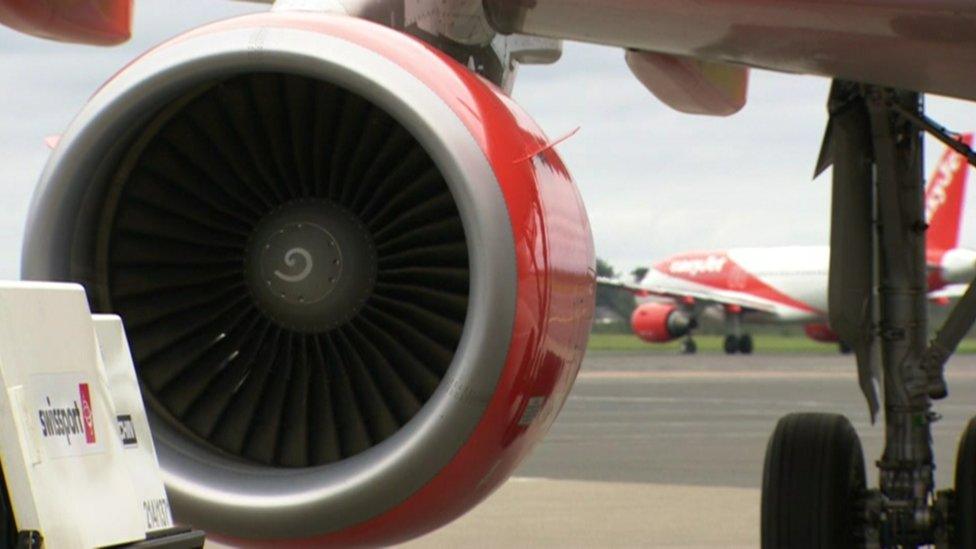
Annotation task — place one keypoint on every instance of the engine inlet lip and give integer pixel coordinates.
(217, 492)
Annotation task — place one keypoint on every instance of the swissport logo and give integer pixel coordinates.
(69, 421)
(937, 193)
(698, 265)
(65, 415)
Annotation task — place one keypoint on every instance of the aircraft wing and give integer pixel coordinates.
(692, 54)
(717, 297)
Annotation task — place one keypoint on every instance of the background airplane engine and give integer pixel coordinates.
(356, 279)
(660, 322)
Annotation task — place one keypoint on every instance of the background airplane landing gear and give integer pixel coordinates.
(731, 344)
(813, 478)
(965, 499)
(738, 344)
(735, 341)
(688, 346)
(745, 344)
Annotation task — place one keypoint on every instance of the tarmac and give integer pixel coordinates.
(667, 451)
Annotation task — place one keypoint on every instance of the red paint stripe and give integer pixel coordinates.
(87, 416)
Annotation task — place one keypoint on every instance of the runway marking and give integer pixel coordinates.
(650, 439)
(750, 402)
(683, 375)
(735, 375)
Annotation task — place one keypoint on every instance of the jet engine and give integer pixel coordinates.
(660, 322)
(356, 279)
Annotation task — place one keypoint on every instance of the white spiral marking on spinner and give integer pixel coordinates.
(291, 258)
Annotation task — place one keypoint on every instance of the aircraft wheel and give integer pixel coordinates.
(8, 527)
(745, 344)
(731, 344)
(689, 347)
(844, 348)
(965, 523)
(813, 475)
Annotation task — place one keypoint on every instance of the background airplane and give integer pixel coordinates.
(788, 284)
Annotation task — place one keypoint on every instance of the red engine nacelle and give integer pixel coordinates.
(103, 22)
(355, 295)
(821, 333)
(660, 322)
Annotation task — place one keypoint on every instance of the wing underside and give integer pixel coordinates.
(692, 55)
(923, 45)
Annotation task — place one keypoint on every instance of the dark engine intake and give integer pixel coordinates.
(229, 240)
(355, 290)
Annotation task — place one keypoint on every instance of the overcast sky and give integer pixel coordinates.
(655, 182)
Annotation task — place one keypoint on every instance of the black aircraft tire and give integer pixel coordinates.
(8, 528)
(965, 512)
(689, 347)
(745, 344)
(813, 475)
(731, 345)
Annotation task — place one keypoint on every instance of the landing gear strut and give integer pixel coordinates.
(688, 346)
(735, 340)
(877, 301)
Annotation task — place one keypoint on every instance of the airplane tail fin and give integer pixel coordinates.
(944, 197)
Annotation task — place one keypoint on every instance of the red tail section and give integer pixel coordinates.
(944, 196)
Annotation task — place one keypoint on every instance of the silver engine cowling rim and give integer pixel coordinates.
(242, 500)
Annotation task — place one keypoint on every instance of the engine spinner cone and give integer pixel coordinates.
(310, 265)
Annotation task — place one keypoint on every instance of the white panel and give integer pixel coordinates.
(69, 481)
(132, 424)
